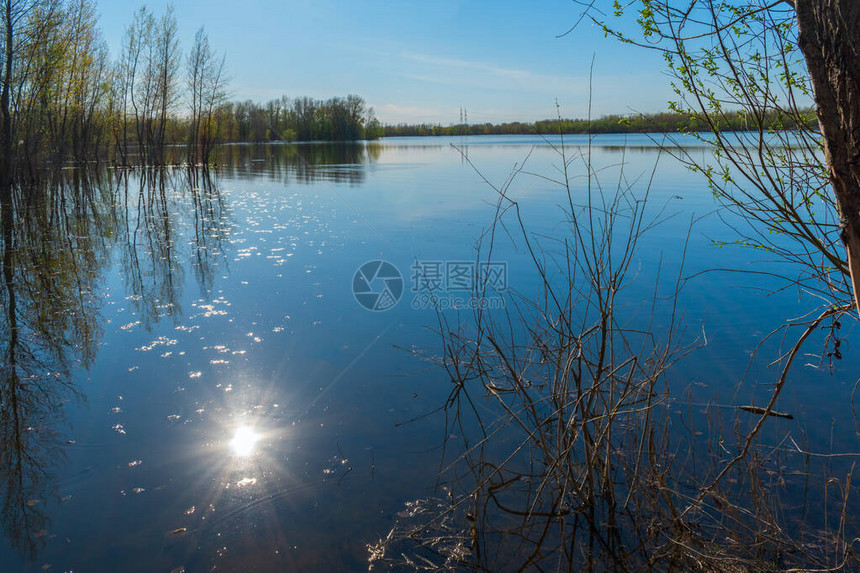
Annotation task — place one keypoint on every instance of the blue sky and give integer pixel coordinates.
(417, 61)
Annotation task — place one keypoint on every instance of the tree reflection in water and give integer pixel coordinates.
(61, 239)
(153, 223)
(57, 241)
(303, 164)
(53, 247)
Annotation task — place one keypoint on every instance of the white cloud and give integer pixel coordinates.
(393, 113)
(462, 72)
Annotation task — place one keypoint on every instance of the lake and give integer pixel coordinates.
(200, 370)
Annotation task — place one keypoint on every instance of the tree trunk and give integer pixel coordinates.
(5, 112)
(829, 37)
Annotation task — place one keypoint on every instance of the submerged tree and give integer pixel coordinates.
(59, 84)
(206, 79)
(147, 77)
(21, 21)
(52, 79)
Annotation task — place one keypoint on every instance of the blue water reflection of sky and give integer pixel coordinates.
(256, 421)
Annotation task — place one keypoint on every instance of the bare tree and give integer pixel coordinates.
(207, 81)
(215, 94)
(136, 40)
(147, 79)
(167, 66)
(195, 65)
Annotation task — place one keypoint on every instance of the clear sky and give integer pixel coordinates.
(419, 60)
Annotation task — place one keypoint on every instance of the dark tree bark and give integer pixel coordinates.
(5, 112)
(829, 37)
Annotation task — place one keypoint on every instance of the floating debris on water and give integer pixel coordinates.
(763, 411)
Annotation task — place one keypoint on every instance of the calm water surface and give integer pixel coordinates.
(189, 381)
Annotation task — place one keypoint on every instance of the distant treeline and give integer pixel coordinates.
(298, 119)
(666, 122)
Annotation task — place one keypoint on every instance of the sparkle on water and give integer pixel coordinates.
(244, 441)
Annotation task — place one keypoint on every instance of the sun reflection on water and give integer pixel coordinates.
(244, 441)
